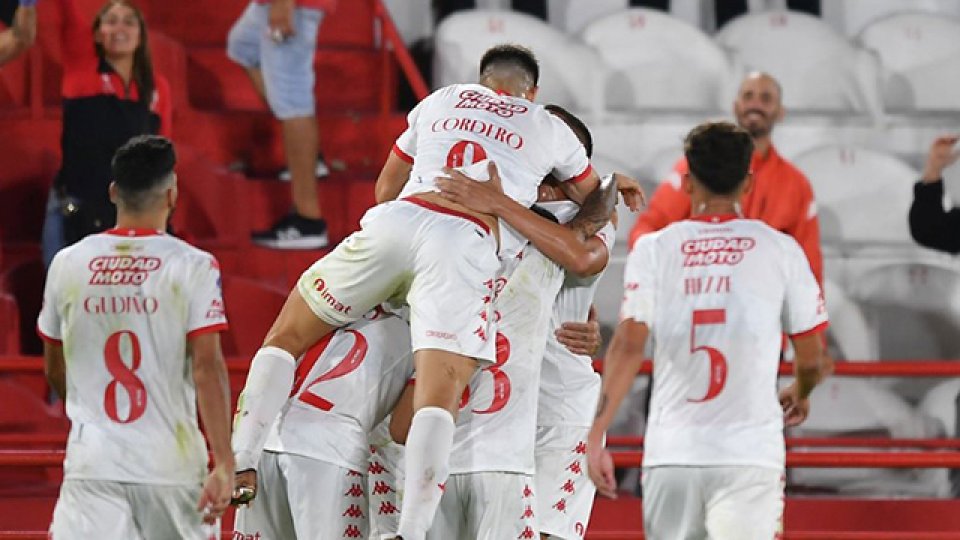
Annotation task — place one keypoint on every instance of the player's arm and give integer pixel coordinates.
(402, 415)
(567, 245)
(55, 368)
(668, 204)
(581, 338)
(213, 401)
(620, 367)
(393, 176)
(810, 367)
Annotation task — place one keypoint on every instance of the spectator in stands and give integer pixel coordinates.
(16, 39)
(110, 94)
(930, 224)
(275, 41)
(781, 195)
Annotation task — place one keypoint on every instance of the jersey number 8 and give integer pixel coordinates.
(124, 376)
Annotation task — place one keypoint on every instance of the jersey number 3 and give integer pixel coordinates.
(124, 376)
(718, 363)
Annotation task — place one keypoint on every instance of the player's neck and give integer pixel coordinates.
(761, 146)
(149, 220)
(713, 207)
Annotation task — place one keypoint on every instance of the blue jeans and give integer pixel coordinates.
(52, 238)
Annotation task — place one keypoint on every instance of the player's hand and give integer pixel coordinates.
(942, 155)
(246, 488)
(631, 191)
(581, 338)
(281, 20)
(795, 410)
(483, 197)
(600, 467)
(215, 496)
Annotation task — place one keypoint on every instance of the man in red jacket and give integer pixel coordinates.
(781, 196)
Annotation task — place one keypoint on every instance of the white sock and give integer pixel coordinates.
(427, 465)
(268, 386)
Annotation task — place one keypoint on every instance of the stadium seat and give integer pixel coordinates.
(848, 329)
(24, 281)
(251, 310)
(14, 83)
(660, 62)
(920, 55)
(863, 196)
(941, 403)
(571, 74)
(414, 18)
(572, 16)
(818, 69)
(852, 16)
(9, 324)
(208, 201)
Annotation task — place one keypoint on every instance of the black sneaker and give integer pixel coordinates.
(321, 170)
(293, 231)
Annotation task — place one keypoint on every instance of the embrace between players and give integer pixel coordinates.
(447, 308)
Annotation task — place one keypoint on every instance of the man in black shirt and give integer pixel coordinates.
(930, 224)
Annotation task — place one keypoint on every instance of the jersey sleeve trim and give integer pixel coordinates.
(401, 154)
(217, 327)
(582, 176)
(49, 339)
(815, 330)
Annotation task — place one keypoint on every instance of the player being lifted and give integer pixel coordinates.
(437, 256)
(716, 292)
(131, 321)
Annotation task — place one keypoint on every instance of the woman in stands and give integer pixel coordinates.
(110, 94)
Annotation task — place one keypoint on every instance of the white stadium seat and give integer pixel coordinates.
(659, 62)
(573, 15)
(852, 16)
(571, 74)
(863, 196)
(818, 69)
(414, 18)
(920, 57)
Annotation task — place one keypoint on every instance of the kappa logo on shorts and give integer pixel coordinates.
(568, 486)
(352, 531)
(321, 287)
(527, 512)
(376, 468)
(353, 511)
(356, 490)
(575, 468)
(581, 448)
(527, 533)
(387, 507)
(382, 488)
(561, 505)
(527, 492)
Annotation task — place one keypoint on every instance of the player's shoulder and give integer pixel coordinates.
(175, 249)
(776, 239)
(790, 172)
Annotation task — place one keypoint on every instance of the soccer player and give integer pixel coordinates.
(130, 322)
(715, 291)
(311, 478)
(437, 256)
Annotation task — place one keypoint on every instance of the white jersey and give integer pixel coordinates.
(496, 427)
(124, 304)
(717, 293)
(344, 386)
(569, 387)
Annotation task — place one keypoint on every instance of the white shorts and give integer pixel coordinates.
(564, 490)
(443, 264)
(721, 503)
(385, 485)
(486, 506)
(301, 497)
(105, 509)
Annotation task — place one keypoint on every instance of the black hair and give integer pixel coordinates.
(718, 154)
(577, 125)
(140, 165)
(511, 55)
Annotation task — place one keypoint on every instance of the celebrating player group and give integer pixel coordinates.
(431, 377)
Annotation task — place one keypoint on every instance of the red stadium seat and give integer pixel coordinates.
(9, 324)
(251, 309)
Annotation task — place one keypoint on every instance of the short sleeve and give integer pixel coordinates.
(571, 162)
(639, 282)
(608, 235)
(804, 311)
(406, 145)
(48, 322)
(207, 313)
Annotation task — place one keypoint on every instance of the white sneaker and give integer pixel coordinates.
(320, 171)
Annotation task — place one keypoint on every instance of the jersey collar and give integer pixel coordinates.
(714, 218)
(133, 231)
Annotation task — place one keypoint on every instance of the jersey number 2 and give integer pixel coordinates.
(124, 376)
(350, 362)
(718, 363)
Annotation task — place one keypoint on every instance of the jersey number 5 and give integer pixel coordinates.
(124, 376)
(718, 364)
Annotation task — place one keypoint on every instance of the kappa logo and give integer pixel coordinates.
(352, 531)
(581, 448)
(382, 488)
(527, 492)
(387, 507)
(356, 490)
(353, 511)
(376, 468)
(561, 505)
(568, 486)
(575, 468)
(527, 512)
(527, 533)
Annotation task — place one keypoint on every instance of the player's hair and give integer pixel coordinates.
(142, 166)
(718, 154)
(510, 56)
(577, 125)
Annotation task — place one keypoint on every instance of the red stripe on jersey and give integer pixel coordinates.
(401, 154)
(449, 211)
(582, 176)
(48, 339)
(714, 218)
(218, 327)
(815, 330)
(133, 231)
(307, 362)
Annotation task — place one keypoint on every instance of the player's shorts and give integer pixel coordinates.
(301, 497)
(105, 509)
(287, 67)
(564, 490)
(486, 506)
(385, 486)
(442, 263)
(721, 503)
